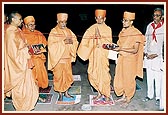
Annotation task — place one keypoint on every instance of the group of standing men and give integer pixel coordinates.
(25, 71)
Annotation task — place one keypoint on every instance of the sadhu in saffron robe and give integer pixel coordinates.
(91, 48)
(39, 70)
(60, 57)
(129, 65)
(18, 79)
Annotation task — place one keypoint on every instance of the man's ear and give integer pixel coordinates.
(13, 19)
(26, 25)
(104, 19)
(162, 17)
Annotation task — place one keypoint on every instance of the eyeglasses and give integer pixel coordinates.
(125, 20)
(31, 25)
(157, 15)
(65, 22)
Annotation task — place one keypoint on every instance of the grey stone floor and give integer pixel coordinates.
(136, 105)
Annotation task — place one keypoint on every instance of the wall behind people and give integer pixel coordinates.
(46, 14)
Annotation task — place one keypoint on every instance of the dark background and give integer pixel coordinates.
(81, 16)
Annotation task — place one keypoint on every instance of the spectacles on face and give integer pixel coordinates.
(65, 22)
(31, 25)
(100, 18)
(157, 15)
(125, 21)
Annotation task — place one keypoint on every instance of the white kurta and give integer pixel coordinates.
(154, 67)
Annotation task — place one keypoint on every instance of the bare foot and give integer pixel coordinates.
(123, 99)
(97, 97)
(107, 99)
(60, 97)
(125, 103)
(68, 95)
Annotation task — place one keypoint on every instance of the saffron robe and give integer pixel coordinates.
(5, 64)
(124, 79)
(39, 70)
(18, 77)
(60, 57)
(91, 48)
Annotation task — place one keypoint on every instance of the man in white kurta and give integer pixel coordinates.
(153, 60)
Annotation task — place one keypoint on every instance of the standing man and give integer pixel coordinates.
(62, 46)
(6, 23)
(18, 81)
(35, 37)
(91, 48)
(131, 46)
(153, 61)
